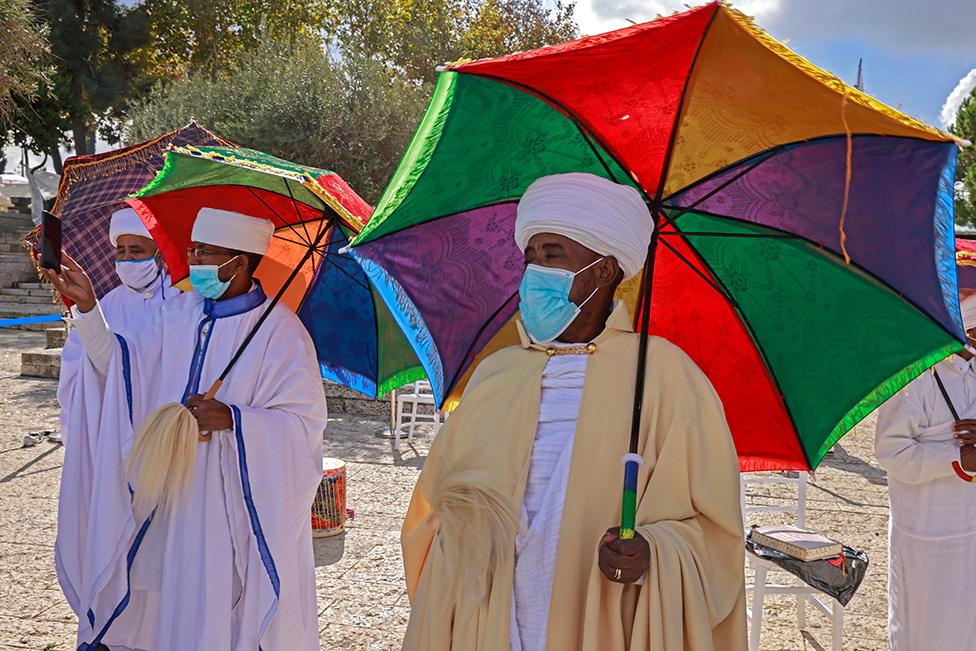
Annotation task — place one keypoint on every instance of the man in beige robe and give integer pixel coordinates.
(509, 540)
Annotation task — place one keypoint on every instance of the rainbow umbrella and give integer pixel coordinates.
(315, 213)
(803, 255)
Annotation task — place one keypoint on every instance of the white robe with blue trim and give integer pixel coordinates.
(232, 566)
(80, 393)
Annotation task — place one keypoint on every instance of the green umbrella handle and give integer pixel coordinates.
(628, 512)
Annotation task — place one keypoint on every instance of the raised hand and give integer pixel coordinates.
(73, 282)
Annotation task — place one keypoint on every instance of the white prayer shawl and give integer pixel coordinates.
(545, 491)
(239, 570)
(932, 533)
(80, 394)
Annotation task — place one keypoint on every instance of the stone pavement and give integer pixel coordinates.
(361, 594)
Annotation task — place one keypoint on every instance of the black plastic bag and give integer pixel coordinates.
(839, 580)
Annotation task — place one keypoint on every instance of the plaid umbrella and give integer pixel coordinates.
(93, 187)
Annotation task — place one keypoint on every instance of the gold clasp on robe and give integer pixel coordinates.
(588, 349)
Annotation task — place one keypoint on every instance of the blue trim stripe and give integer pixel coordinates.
(126, 373)
(252, 512)
(130, 557)
(196, 365)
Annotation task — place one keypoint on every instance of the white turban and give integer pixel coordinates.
(232, 230)
(126, 222)
(968, 308)
(606, 217)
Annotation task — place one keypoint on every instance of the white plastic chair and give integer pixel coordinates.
(419, 394)
(762, 583)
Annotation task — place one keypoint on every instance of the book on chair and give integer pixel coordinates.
(798, 543)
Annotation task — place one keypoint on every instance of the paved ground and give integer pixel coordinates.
(361, 596)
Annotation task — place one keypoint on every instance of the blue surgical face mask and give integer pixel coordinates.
(207, 282)
(544, 301)
(138, 275)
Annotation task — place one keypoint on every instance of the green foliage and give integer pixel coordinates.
(965, 127)
(23, 56)
(290, 99)
(192, 35)
(416, 36)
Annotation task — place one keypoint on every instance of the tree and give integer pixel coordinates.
(24, 65)
(965, 127)
(350, 106)
(416, 36)
(190, 35)
(95, 42)
(291, 99)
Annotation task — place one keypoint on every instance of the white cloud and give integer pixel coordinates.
(965, 86)
(906, 26)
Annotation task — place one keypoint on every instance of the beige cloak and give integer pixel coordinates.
(692, 596)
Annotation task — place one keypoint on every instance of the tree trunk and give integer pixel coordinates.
(79, 123)
(82, 137)
(55, 155)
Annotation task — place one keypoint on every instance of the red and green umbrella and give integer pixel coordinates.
(315, 213)
(804, 250)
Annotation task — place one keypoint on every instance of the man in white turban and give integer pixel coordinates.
(924, 439)
(144, 286)
(229, 565)
(509, 541)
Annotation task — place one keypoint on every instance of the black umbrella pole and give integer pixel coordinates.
(632, 460)
(274, 301)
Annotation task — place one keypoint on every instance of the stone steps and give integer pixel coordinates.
(23, 291)
(11, 245)
(15, 227)
(41, 363)
(29, 299)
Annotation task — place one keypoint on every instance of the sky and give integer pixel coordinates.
(919, 57)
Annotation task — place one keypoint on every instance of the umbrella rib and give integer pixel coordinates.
(297, 243)
(721, 186)
(701, 274)
(275, 213)
(759, 349)
(348, 275)
(298, 213)
(834, 254)
(459, 373)
(487, 204)
(764, 236)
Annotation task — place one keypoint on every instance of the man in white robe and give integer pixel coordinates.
(145, 285)
(932, 532)
(230, 566)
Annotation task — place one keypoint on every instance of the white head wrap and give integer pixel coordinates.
(968, 308)
(606, 217)
(126, 222)
(232, 230)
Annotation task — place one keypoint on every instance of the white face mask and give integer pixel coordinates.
(138, 275)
